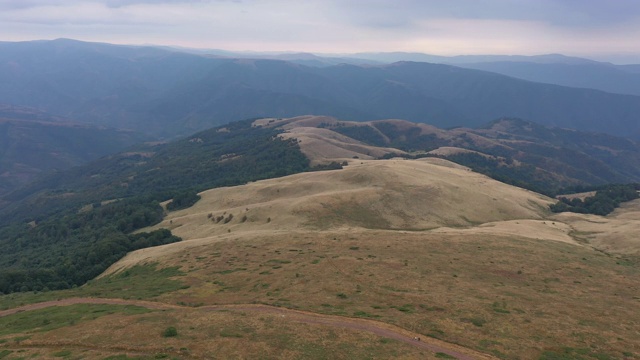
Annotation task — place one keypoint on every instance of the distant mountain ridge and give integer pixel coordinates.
(171, 93)
(554, 69)
(33, 143)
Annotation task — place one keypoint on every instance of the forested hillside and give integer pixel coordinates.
(67, 228)
(32, 143)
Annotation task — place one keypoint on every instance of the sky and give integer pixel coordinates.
(606, 30)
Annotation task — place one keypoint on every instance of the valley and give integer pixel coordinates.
(311, 236)
(319, 180)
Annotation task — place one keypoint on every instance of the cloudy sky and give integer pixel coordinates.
(600, 29)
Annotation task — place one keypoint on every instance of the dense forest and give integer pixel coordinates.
(225, 156)
(72, 225)
(66, 251)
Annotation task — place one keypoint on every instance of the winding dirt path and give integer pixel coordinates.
(366, 325)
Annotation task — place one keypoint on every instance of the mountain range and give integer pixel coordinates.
(368, 206)
(33, 143)
(168, 93)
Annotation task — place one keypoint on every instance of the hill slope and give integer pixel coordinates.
(358, 242)
(386, 194)
(421, 247)
(512, 150)
(600, 76)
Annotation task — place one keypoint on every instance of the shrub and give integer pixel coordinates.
(170, 332)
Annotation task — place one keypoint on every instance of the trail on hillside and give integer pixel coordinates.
(371, 326)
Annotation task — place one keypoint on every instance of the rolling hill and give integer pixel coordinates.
(512, 150)
(333, 244)
(404, 257)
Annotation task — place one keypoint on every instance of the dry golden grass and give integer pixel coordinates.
(423, 244)
(204, 334)
(393, 194)
(616, 233)
(323, 145)
(510, 296)
(426, 245)
(580, 196)
(448, 151)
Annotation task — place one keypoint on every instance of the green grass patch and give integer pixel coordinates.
(574, 354)
(365, 314)
(62, 353)
(500, 308)
(278, 261)
(441, 355)
(140, 282)
(5, 353)
(55, 317)
(476, 321)
(229, 271)
(19, 339)
(390, 288)
(406, 308)
(486, 343)
(230, 334)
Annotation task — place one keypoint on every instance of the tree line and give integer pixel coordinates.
(63, 233)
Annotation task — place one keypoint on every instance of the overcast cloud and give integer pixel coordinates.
(606, 30)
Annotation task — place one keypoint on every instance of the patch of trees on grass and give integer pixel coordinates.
(183, 200)
(334, 165)
(364, 133)
(606, 199)
(409, 139)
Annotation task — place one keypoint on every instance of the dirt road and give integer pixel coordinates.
(370, 326)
